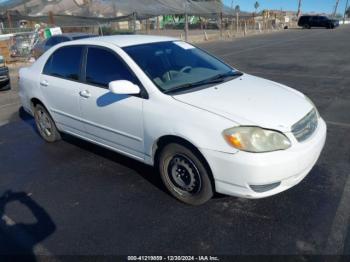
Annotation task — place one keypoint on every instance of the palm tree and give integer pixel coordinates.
(237, 9)
(256, 6)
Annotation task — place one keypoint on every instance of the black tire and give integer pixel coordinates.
(45, 124)
(306, 26)
(190, 182)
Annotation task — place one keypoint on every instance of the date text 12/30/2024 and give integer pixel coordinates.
(173, 258)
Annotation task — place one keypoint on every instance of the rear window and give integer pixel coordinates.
(304, 18)
(65, 63)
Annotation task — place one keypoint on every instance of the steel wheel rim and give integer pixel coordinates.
(44, 123)
(183, 175)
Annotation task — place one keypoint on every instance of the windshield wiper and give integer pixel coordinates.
(215, 79)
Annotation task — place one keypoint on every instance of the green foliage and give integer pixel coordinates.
(256, 5)
(237, 8)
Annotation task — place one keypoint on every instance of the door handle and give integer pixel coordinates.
(44, 83)
(85, 93)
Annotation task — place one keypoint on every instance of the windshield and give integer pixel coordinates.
(178, 65)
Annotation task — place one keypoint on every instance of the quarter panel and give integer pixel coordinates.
(163, 116)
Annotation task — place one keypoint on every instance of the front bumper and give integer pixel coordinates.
(238, 174)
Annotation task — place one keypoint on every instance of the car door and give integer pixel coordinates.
(111, 119)
(60, 87)
(323, 21)
(313, 21)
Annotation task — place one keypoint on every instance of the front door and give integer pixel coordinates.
(111, 119)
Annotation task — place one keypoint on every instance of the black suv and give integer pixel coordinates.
(308, 21)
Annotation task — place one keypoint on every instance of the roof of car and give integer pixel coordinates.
(130, 40)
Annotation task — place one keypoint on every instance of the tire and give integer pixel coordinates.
(45, 124)
(306, 26)
(185, 175)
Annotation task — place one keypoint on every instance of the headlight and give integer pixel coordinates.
(256, 139)
(312, 103)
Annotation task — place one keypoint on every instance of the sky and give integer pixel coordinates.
(319, 6)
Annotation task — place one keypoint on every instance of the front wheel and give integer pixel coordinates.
(45, 124)
(185, 175)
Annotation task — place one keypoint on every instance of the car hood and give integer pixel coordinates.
(250, 100)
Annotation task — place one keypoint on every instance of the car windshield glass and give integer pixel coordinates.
(176, 65)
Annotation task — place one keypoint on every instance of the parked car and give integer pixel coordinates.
(5, 83)
(45, 45)
(308, 21)
(206, 126)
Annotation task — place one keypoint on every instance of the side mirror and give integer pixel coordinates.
(123, 87)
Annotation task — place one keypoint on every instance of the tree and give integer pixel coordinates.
(256, 6)
(237, 9)
(348, 12)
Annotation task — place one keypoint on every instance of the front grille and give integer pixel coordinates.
(305, 127)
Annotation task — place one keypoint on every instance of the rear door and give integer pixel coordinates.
(322, 21)
(60, 86)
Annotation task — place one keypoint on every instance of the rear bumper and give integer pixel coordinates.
(5, 83)
(238, 174)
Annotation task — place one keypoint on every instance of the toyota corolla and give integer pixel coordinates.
(206, 126)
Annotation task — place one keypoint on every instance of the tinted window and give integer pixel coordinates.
(104, 66)
(61, 39)
(54, 40)
(51, 41)
(65, 62)
(304, 18)
(322, 18)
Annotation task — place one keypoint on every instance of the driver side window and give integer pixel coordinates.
(104, 66)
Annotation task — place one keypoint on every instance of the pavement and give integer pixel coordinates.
(74, 198)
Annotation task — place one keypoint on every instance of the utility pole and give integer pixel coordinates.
(9, 18)
(335, 8)
(186, 20)
(233, 13)
(51, 18)
(299, 9)
(346, 8)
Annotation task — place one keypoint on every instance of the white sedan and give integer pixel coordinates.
(206, 126)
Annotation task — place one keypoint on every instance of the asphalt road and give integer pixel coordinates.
(81, 199)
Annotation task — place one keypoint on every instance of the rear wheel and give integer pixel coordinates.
(45, 124)
(185, 175)
(306, 26)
